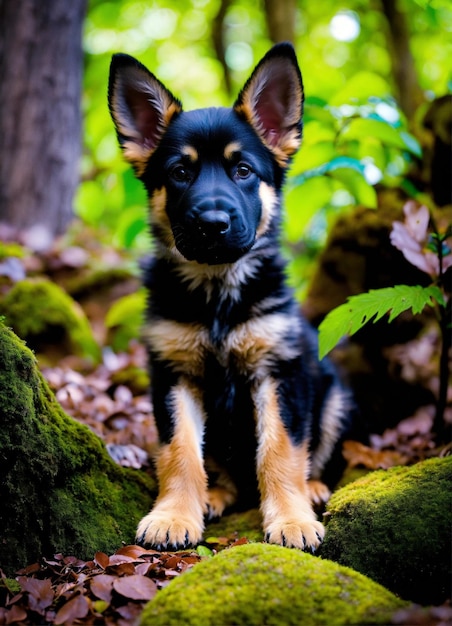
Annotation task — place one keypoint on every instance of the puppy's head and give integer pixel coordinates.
(213, 175)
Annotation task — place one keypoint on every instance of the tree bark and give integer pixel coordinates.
(40, 116)
(281, 17)
(408, 91)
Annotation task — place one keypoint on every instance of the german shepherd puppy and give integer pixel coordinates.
(242, 405)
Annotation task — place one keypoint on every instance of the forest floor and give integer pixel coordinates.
(112, 399)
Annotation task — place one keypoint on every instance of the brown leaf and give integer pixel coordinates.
(102, 559)
(145, 568)
(172, 562)
(118, 558)
(40, 593)
(102, 586)
(357, 454)
(30, 569)
(14, 614)
(76, 608)
(191, 559)
(135, 587)
(122, 569)
(129, 612)
(132, 551)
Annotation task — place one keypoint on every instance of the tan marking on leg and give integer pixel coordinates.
(184, 345)
(333, 413)
(269, 203)
(282, 470)
(177, 517)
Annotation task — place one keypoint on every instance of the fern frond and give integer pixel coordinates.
(351, 316)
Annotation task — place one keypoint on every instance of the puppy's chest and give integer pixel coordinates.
(249, 347)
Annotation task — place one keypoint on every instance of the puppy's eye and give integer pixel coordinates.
(243, 170)
(180, 174)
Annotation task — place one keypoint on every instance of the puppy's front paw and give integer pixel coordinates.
(164, 531)
(305, 534)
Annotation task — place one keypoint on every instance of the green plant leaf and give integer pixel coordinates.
(386, 133)
(357, 185)
(339, 162)
(128, 309)
(204, 551)
(302, 202)
(351, 316)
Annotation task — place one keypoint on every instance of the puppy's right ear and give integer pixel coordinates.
(141, 108)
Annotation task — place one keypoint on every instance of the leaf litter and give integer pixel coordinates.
(110, 590)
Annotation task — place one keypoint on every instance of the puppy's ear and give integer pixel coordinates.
(141, 108)
(272, 101)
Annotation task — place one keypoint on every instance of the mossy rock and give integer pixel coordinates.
(42, 313)
(59, 489)
(266, 584)
(395, 527)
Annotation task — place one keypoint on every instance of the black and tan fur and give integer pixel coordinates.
(245, 411)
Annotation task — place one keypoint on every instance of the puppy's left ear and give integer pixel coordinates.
(272, 102)
(141, 108)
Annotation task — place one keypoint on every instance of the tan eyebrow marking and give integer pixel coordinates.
(231, 148)
(191, 153)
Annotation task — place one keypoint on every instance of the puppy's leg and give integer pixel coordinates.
(282, 471)
(221, 493)
(177, 517)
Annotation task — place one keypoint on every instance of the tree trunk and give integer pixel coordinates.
(408, 91)
(40, 117)
(281, 17)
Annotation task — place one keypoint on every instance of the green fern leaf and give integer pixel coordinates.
(351, 316)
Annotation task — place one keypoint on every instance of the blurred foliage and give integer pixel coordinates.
(355, 135)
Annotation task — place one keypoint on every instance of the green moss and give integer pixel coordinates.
(59, 489)
(246, 524)
(42, 313)
(124, 319)
(395, 527)
(265, 584)
(94, 281)
(11, 250)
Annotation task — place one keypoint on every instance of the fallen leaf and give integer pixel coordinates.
(101, 586)
(357, 454)
(14, 614)
(135, 587)
(40, 593)
(102, 559)
(133, 551)
(76, 608)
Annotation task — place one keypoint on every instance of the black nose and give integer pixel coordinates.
(214, 222)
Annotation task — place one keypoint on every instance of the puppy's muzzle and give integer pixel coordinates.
(213, 223)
